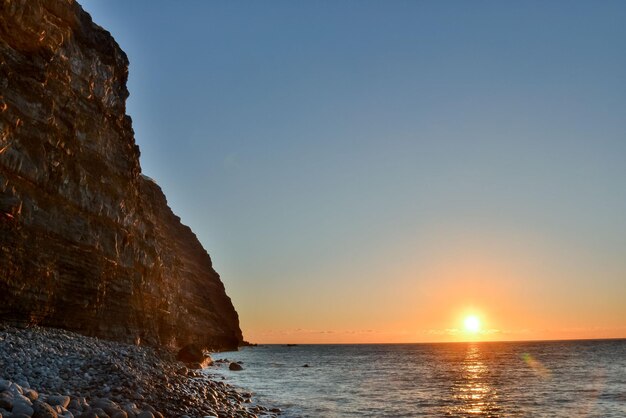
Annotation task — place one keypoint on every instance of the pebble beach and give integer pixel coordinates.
(47, 373)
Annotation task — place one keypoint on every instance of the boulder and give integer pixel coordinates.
(235, 367)
(191, 353)
(193, 356)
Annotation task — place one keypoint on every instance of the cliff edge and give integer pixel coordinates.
(87, 243)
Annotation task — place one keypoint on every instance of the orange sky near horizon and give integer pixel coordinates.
(515, 290)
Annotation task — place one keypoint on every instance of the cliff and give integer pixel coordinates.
(87, 243)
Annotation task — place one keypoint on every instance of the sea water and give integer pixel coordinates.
(561, 378)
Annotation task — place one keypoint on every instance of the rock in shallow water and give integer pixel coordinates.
(235, 367)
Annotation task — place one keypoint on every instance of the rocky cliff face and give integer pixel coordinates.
(86, 242)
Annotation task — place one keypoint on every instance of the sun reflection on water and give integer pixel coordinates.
(472, 390)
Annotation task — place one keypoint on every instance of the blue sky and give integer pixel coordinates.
(328, 154)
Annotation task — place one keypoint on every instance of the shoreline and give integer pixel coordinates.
(51, 372)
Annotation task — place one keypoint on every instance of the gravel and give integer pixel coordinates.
(48, 373)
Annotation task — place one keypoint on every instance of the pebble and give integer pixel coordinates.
(63, 401)
(51, 373)
(44, 410)
(20, 407)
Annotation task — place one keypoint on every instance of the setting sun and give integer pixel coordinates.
(472, 324)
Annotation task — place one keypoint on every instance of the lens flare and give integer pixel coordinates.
(536, 366)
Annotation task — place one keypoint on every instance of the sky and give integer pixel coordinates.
(376, 171)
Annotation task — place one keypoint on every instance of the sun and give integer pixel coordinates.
(472, 324)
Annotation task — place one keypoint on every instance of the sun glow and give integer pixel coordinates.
(472, 324)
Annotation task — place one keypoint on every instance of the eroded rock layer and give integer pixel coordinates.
(87, 243)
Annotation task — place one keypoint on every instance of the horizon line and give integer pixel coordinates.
(448, 342)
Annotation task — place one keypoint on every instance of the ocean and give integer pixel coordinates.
(512, 379)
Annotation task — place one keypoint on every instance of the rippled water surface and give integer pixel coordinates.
(568, 378)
